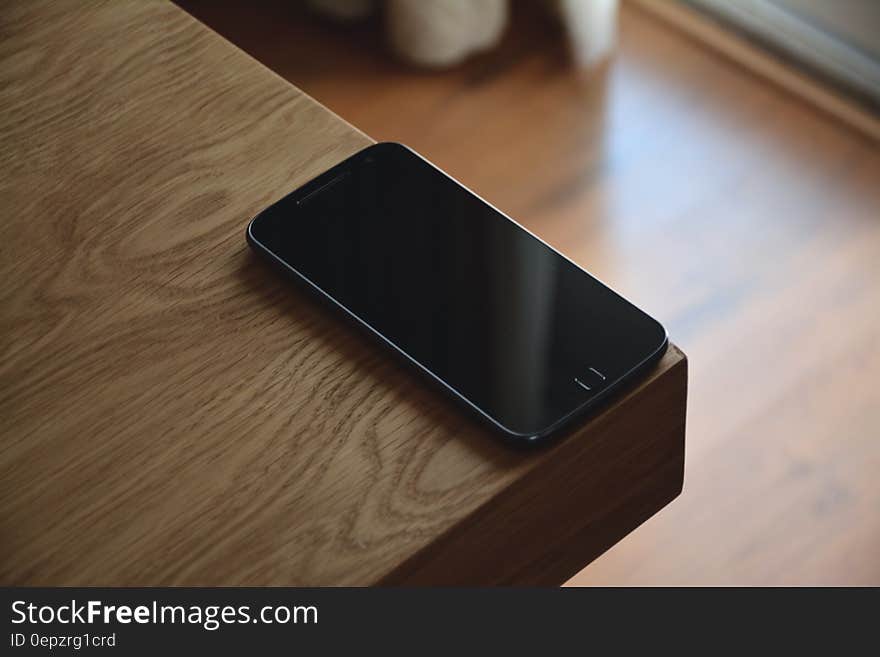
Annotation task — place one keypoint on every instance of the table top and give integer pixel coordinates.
(173, 413)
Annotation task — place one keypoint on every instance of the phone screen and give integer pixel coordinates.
(515, 329)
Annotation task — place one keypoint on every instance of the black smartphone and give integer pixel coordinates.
(514, 330)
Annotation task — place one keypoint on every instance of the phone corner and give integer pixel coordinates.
(249, 233)
(526, 439)
(388, 146)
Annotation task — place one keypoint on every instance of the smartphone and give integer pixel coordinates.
(512, 329)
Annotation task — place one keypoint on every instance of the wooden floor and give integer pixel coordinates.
(747, 222)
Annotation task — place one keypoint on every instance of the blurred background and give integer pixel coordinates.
(718, 164)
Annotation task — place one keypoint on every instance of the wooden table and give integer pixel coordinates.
(173, 414)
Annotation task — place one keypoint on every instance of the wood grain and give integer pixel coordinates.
(172, 413)
(739, 215)
(575, 502)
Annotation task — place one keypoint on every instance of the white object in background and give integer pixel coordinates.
(443, 32)
(439, 33)
(592, 28)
